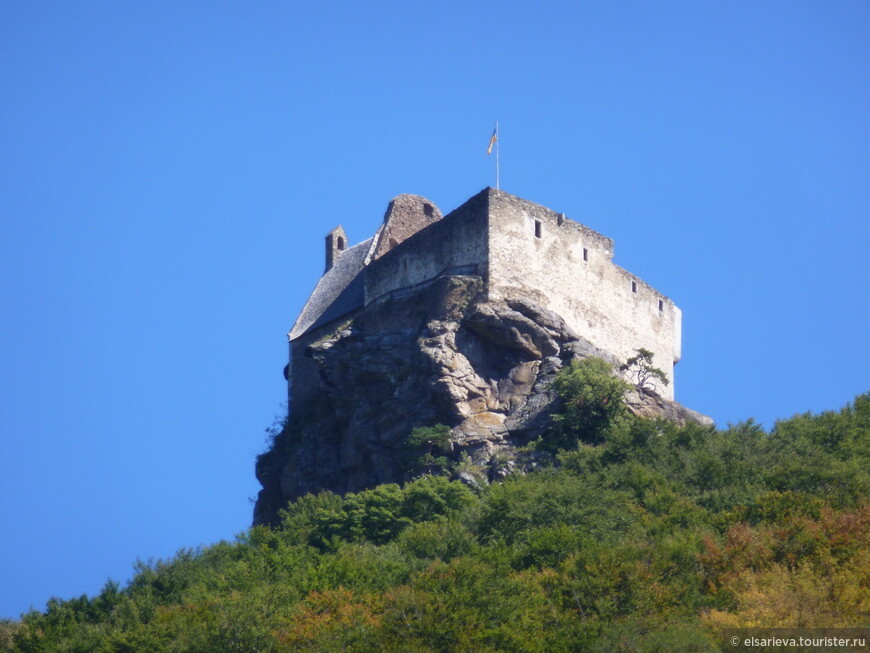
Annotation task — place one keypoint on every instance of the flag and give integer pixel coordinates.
(492, 140)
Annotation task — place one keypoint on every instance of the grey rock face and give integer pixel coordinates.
(443, 355)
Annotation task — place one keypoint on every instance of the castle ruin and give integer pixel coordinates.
(519, 249)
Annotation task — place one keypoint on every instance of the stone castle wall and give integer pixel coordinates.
(567, 267)
(456, 242)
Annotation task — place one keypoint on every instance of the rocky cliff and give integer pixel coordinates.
(438, 354)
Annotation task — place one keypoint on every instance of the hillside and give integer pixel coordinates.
(632, 534)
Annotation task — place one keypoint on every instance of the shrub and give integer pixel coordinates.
(591, 397)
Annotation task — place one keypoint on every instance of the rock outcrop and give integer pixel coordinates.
(441, 354)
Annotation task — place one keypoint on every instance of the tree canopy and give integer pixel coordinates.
(641, 535)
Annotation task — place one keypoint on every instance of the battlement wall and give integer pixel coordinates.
(540, 254)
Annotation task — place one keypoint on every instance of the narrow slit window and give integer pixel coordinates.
(585, 254)
(634, 286)
(340, 243)
(537, 228)
(661, 306)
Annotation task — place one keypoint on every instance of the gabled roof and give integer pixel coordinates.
(339, 291)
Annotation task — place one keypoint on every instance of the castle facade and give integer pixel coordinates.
(519, 249)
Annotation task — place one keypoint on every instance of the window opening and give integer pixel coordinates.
(634, 286)
(537, 228)
(661, 306)
(340, 243)
(585, 254)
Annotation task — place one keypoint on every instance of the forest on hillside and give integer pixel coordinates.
(632, 535)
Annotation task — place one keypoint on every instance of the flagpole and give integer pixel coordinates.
(493, 140)
(496, 156)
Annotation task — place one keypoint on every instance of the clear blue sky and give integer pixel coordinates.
(168, 171)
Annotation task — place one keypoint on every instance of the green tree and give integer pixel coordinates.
(428, 442)
(640, 368)
(591, 397)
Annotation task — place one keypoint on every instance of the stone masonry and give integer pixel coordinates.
(521, 250)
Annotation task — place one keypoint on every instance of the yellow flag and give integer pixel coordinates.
(492, 140)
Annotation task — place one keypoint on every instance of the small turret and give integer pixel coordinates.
(336, 243)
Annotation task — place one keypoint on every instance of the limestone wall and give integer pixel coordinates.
(458, 240)
(567, 267)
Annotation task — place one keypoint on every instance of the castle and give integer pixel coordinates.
(519, 249)
(463, 321)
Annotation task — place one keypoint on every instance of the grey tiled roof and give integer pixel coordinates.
(339, 291)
